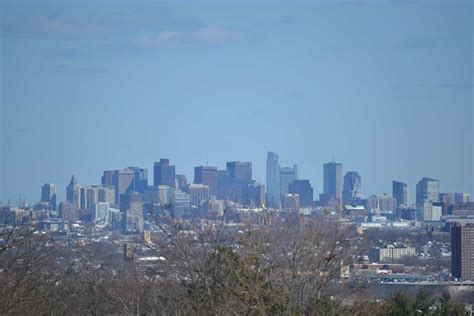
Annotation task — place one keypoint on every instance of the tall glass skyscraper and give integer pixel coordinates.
(352, 189)
(427, 190)
(164, 173)
(273, 180)
(400, 193)
(332, 182)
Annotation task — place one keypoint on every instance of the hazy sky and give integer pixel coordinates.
(384, 87)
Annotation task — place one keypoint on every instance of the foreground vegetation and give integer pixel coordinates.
(280, 267)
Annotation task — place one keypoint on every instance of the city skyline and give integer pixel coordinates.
(134, 173)
(392, 101)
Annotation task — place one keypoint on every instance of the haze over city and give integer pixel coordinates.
(89, 86)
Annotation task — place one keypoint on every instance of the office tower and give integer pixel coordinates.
(291, 202)
(255, 196)
(132, 205)
(68, 212)
(158, 194)
(427, 190)
(198, 194)
(287, 176)
(49, 195)
(101, 213)
(181, 203)
(461, 198)
(164, 173)
(447, 202)
(224, 184)
(108, 178)
(304, 190)
(92, 198)
(121, 180)
(206, 175)
(381, 203)
(212, 208)
(352, 188)
(106, 194)
(240, 176)
(240, 171)
(332, 182)
(140, 179)
(182, 182)
(73, 193)
(462, 251)
(400, 193)
(273, 180)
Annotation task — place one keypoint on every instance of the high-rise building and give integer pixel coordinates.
(427, 190)
(132, 205)
(73, 193)
(400, 193)
(291, 202)
(140, 179)
(181, 182)
(381, 203)
(68, 212)
(181, 203)
(255, 194)
(352, 188)
(461, 198)
(240, 171)
(198, 194)
(158, 194)
(121, 180)
(92, 198)
(287, 176)
(447, 202)
(273, 180)
(332, 182)
(224, 184)
(206, 175)
(164, 173)
(240, 177)
(107, 194)
(462, 251)
(49, 195)
(101, 213)
(304, 190)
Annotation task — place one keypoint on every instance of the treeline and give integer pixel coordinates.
(279, 268)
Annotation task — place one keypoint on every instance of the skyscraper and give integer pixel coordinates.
(273, 180)
(240, 176)
(224, 184)
(427, 190)
(240, 171)
(352, 188)
(462, 251)
(73, 193)
(332, 182)
(49, 194)
(287, 176)
(198, 194)
(121, 180)
(400, 193)
(461, 198)
(206, 175)
(181, 182)
(304, 190)
(164, 173)
(140, 179)
(132, 205)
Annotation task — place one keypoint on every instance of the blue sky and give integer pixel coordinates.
(385, 87)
